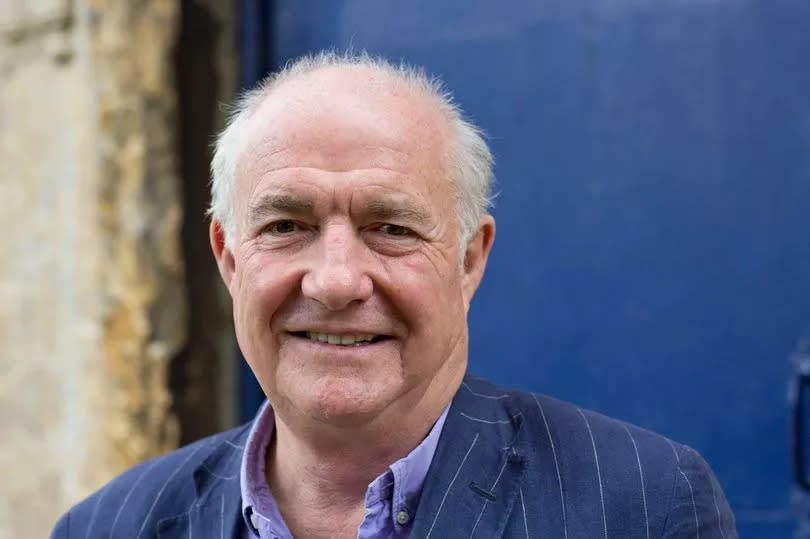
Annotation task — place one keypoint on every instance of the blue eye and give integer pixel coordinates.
(395, 230)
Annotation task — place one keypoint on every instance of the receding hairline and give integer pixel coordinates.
(339, 80)
(413, 78)
(384, 82)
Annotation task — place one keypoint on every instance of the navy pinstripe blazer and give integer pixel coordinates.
(508, 464)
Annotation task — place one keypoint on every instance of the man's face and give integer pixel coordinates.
(348, 293)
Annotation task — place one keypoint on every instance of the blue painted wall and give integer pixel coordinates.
(653, 161)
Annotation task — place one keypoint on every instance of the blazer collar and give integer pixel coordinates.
(474, 479)
(470, 489)
(217, 510)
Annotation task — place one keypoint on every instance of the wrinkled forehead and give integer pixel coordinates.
(339, 118)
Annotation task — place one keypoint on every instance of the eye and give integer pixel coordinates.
(395, 230)
(282, 228)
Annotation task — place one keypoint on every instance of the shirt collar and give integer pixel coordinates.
(256, 495)
(401, 483)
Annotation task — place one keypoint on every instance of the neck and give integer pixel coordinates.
(338, 463)
(325, 470)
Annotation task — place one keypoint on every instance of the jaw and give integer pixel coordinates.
(337, 384)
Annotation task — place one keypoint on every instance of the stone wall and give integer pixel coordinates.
(92, 287)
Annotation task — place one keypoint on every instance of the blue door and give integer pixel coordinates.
(653, 159)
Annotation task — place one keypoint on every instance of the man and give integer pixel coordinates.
(350, 226)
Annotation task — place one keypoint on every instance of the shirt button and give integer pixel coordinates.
(403, 517)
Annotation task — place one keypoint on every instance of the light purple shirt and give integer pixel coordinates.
(391, 499)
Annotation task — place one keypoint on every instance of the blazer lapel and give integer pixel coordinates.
(474, 479)
(471, 488)
(217, 510)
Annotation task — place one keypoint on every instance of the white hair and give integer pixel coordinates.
(469, 160)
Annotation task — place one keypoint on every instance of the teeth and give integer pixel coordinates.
(345, 340)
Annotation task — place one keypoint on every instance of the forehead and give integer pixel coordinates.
(344, 119)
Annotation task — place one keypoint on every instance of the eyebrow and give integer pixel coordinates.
(274, 204)
(271, 205)
(385, 209)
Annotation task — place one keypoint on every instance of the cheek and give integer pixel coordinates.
(260, 288)
(429, 297)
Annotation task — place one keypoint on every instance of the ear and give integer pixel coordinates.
(223, 254)
(475, 257)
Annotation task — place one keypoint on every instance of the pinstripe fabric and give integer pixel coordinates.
(508, 464)
(540, 467)
(190, 493)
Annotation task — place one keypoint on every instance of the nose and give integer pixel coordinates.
(337, 275)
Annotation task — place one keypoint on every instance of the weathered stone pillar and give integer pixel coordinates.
(92, 300)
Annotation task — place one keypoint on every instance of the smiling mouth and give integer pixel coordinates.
(340, 340)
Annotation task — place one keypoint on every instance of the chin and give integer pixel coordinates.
(345, 400)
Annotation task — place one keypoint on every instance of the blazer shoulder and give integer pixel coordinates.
(570, 422)
(155, 489)
(666, 486)
(554, 420)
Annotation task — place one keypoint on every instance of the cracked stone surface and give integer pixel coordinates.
(91, 275)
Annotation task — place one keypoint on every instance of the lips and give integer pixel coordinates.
(354, 339)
